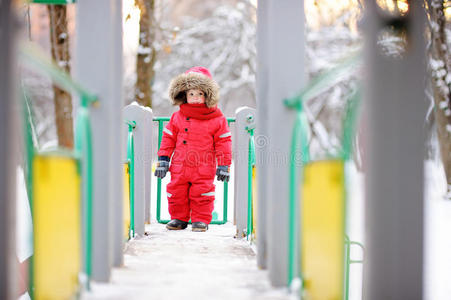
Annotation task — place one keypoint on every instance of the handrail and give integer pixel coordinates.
(161, 121)
(320, 83)
(251, 163)
(349, 123)
(299, 142)
(299, 145)
(83, 146)
(131, 162)
(35, 57)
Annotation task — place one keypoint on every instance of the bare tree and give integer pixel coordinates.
(59, 39)
(146, 53)
(439, 65)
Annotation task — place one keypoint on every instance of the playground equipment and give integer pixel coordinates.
(56, 201)
(322, 209)
(50, 176)
(251, 199)
(131, 176)
(387, 201)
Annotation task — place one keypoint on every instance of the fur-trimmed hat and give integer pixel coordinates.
(196, 78)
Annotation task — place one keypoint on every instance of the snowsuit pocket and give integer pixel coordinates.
(207, 171)
(176, 168)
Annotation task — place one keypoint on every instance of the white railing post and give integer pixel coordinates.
(143, 161)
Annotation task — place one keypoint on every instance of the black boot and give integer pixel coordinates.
(176, 225)
(199, 226)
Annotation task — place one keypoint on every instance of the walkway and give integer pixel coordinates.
(188, 265)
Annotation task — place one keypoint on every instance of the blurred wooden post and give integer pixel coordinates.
(8, 134)
(97, 67)
(285, 76)
(261, 137)
(118, 98)
(395, 99)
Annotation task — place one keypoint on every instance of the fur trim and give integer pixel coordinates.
(184, 82)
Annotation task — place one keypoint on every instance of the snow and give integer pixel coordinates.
(448, 128)
(436, 64)
(144, 50)
(62, 36)
(188, 265)
(23, 221)
(443, 104)
(437, 214)
(63, 63)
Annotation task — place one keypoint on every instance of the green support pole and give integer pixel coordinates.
(251, 162)
(131, 161)
(160, 136)
(83, 147)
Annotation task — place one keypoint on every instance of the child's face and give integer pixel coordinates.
(195, 97)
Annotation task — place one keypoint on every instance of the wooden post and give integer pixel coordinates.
(395, 100)
(285, 65)
(97, 65)
(9, 129)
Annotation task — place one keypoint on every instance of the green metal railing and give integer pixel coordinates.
(35, 58)
(131, 167)
(299, 144)
(161, 121)
(299, 156)
(251, 166)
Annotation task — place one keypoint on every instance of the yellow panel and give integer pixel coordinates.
(254, 201)
(322, 234)
(126, 210)
(56, 221)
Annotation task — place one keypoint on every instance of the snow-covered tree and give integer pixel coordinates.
(328, 43)
(146, 55)
(224, 43)
(440, 79)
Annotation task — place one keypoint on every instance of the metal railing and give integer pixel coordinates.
(131, 168)
(300, 146)
(34, 57)
(161, 121)
(349, 261)
(250, 172)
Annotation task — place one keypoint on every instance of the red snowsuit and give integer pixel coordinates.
(198, 145)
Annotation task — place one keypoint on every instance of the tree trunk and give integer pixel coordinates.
(59, 39)
(440, 70)
(146, 53)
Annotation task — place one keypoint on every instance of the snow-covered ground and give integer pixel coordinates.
(437, 229)
(188, 265)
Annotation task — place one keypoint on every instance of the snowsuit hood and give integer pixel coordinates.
(196, 78)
